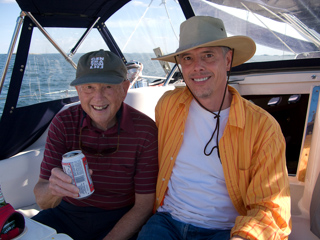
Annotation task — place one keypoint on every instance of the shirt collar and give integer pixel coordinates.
(186, 97)
(237, 111)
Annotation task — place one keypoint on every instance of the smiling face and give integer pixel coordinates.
(205, 72)
(102, 101)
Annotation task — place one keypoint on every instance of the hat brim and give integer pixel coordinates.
(98, 78)
(243, 46)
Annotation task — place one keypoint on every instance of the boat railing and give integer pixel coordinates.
(47, 35)
(11, 48)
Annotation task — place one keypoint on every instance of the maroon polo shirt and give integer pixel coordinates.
(118, 176)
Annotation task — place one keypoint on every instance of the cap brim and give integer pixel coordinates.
(97, 78)
(244, 49)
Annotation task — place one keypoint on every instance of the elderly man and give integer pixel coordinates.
(222, 167)
(120, 144)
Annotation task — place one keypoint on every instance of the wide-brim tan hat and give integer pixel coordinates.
(205, 31)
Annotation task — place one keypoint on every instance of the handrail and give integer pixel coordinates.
(11, 48)
(170, 75)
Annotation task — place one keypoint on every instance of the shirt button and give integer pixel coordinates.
(182, 133)
(163, 179)
(171, 158)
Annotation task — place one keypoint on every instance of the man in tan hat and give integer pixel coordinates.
(120, 144)
(222, 167)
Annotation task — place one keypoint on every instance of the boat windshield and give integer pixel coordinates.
(135, 28)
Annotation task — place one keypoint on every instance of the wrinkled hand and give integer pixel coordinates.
(60, 184)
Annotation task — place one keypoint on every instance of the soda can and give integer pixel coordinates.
(75, 164)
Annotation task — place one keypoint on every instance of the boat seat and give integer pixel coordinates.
(29, 211)
(20, 173)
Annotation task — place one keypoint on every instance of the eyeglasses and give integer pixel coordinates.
(96, 152)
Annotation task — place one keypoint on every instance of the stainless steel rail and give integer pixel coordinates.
(46, 34)
(11, 48)
(76, 47)
(170, 75)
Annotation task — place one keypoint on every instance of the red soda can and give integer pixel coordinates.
(75, 164)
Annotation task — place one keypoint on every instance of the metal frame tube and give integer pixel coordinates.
(170, 75)
(111, 43)
(46, 34)
(84, 36)
(11, 48)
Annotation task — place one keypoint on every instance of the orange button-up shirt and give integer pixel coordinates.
(252, 152)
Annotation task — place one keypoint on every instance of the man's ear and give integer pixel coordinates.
(77, 88)
(125, 86)
(229, 59)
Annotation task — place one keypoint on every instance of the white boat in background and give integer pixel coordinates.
(283, 78)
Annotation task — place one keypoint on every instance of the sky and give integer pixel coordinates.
(9, 12)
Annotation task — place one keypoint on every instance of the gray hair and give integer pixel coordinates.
(225, 50)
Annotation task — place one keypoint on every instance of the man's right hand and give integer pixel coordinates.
(49, 193)
(60, 184)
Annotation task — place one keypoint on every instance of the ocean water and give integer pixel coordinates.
(47, 77)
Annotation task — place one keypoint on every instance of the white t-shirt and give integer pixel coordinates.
(197, 192)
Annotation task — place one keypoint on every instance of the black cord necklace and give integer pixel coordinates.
(217, 128)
